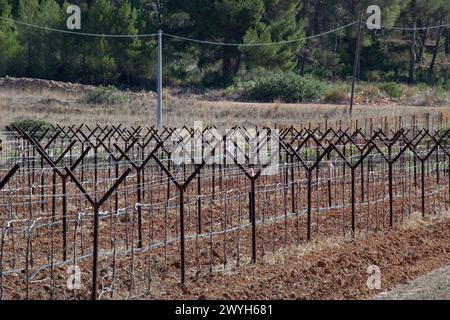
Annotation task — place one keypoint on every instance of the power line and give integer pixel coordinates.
(31, 25)
(45, 28)
(258, 44)
(411, 29)
(79, 33)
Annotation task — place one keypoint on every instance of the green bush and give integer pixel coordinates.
(240, 91)
(441, 92)
(27, 124)
(336, 93)
(375, 76)
(368, 90)
(104, 96)
(392, 89)
(286, 87)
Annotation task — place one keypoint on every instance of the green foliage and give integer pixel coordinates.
(28, 123)
(286, 87)
(40, 55)
(104, 96)
(327, 65)
(127, 52)
(370, 90)
(440, 92)
(32, 52)
(241, 90)
(279, 23)
(337, 93)
(392, 89)
(375, 76)
(9, 45)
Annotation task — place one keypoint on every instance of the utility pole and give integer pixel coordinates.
(356, 64)
(159, 116)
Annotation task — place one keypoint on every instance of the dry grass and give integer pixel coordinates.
(433, 286)
(62, 107)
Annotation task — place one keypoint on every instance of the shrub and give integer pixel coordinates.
(432, 98)
(27, 124)
(440, 92)
(286, 87)
(337, 94)
(104, 96)
(375, 76)
(392, 89)
(240, 90)
(369, 90)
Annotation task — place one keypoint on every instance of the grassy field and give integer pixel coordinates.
(59, 106)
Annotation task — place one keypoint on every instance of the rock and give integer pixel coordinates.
(321, 264)
(227, 296)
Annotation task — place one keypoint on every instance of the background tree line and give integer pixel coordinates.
(387, 55)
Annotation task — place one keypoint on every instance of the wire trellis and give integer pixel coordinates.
(113, 202)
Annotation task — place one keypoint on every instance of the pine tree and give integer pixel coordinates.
(127, 52)
(231, 21)
(69, 66)
(98, 58)
(9, 46)
(280, 23)
(49, 43)
(41, 47)
(27, 12)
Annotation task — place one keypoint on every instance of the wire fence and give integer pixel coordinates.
(115, 203)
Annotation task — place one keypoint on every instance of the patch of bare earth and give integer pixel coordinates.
(330, 269)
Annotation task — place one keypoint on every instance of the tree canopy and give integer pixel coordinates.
(394, 55)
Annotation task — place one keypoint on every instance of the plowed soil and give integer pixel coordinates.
(334, 270)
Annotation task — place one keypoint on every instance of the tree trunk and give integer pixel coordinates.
(435, 51)
(412, 58)
(423, 43)
(227, 65)
(302, 67)
(335, 50)
(29, 59)
(312, 28)
(202, 57)
(237, 64)
(447, 41)
(353, 8)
